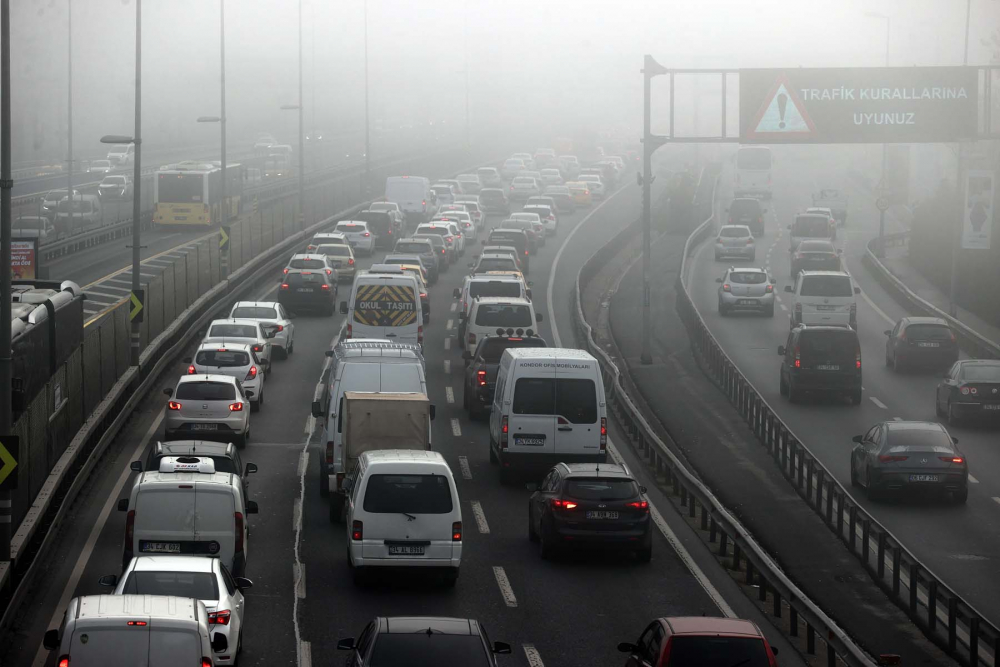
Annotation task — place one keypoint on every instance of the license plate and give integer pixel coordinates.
(991, 406)
(161, 547)
(923, 478)
(406, 550)
(826, 308)
(748, 302)
(529, 440)
(304, 289)
(602, 514)
(204, 427)
(928, 344)
(827, 367)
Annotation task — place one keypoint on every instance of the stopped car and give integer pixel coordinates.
(115, 187)
(205, 579)
(409, 259)
(445, 194)
(569, 165)
(551, 176)
(422, 641)
(237, 360)
(533, 228)
(970, 389)
(33, 227)
(522, 187)
(441, 250)
(481, 369)
(526, 159)
(270, 314)
(735, 241)
(471, 185)
(595, 184)
(815, 255)
(308, 290)
(51, 199)
(489, 177)
(562, 197)
(457, 222)
(700, 640)
(233, 330)
(532, 216)
(442, 229)
(580, 192)
(225, 456)
(823, 210)
(516, 238)
(384, 227)
(326, 237)
(747, 211)
(823, 360)
(824, 297)
(488, 262)
(895, 456)
(424, 249)
(340, 256)
(470, 203)
(585, 504)
(547, 214)
(511, 168)
(100, 167)
(358, 235)
(920, 342)
(213, 407)
(311, 262)
(494, 200)
(392, 208)
(746, 288)
(809, 226)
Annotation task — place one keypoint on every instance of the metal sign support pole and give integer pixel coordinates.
(6, 185)
(959, 229)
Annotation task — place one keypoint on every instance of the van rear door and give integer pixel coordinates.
(532, 424)
(165, 519)
(215, 521)
(109, 641)
(171, 644)
(578, 428)
(387, 309)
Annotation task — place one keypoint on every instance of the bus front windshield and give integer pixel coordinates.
(179, 189)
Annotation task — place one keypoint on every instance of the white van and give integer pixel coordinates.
(403, 511)
(186, 507)
(497, 315)
(85, 212)
(824, 297)
(510, 286)
(385, 306)
(753, 172)
(548, 407)
(148, 630)
(360, 365)
(414, 196)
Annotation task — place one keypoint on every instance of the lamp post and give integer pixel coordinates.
(881, 213)
(960, 193)
(69, 105)
(368, 151)
(302, 142)
(6, 185)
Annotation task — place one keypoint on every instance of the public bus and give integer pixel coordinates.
(190, 193)
(278, 163)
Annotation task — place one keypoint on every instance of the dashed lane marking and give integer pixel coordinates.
(454, 307)
(449, 324)
(305, 654)
(533, 656)
(449, 394)
(897, 419)
(447, 366)
(973, 480)
(456, 428)
(477, 511)
(447, 343)
(463, 463)
(996, 500)
(505, 589)
(878, 402)
(299, 576)
(784, 307)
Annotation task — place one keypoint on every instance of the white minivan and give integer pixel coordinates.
(403, 511)
(385, 306)
(414, 196)
(186, 507)
(824, 297)
(498, 315)
(753, 172)
(548, 407)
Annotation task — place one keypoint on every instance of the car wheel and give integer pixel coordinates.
(465, 399)
(291, 348)
(324, 482)
(532, 534)
(281, 352)
(871, 491)
(961, 496)
(255, 406)
(722, 309)
(793, 394)
(717, 258)
(493, 456)
(769, 311)
(937, 407)
(888, 361)
(645, 554)
(952, 416)
(336, 508)
(241, 442)
(856, 397)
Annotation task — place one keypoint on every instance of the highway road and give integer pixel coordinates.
(557, 613)
(960, 543)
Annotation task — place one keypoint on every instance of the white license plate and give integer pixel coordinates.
(748, 302)
(204, 427)
(991, 406)
(406, 550)
(827, 367)
(602, 514)
(529, 440)
(161, 547)
(826, 308)
(923, 478)
(304, 289)
(928, 344)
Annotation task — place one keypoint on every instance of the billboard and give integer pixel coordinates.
(858, 105)
(24, 259)
(977, 223)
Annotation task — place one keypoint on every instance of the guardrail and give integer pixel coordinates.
(734, 539)
(943, 616)
(975, 344)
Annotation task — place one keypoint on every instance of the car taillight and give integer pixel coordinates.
(325, 287)
(726, 287)
(350, 330)
(889, 458)
(64, 661)
(456, 531)
(481, 378)
(586, 192)
(750, 241)
(329, 452)
(329, 272)
(129, 531)
(965, 391)
(857, 358)
(952, 334)
(284, 285)
(236, 407)
(357, 531)
(173, 405)
(258, 348)
(799, 255)
(559, 504)
(285, 271)
(423, 295)
(525, 252)
(251, 374)
(769, 288)
(206, 662)
(420, 335)
(350, 261)
(639, 505)
(798, 361)
(444, 250)
(367, 234)
(730, 219)
(472, 340)
(239, 532)
(952, 459)
(604, 433)
(503, 433)
(219, 617)
(191, 370)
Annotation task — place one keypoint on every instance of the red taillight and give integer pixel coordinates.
(481, 378)
(889, 458)
(219, 617)
(325, 287)
(239, 532)
(444, 250)
(586, 192)
(357, 531)
(136, 624)
(750, 241)
(252, 374)
(129, 530)
(191, 370)
(367, 234)
(604, 432)
(472, 340)
(558, 504)
(420, 335)
(329, 452)
(503, 433)
(206, 662)
(798, 362)
(952, 459)
(173, 405)
(639, 505)
(726, 287)
(284, 285)
(285, 270)
(350, 261)
(857, 358)
(456, 531)
(329, 272)
(64, 661)
(258, 348)
(769, 288)
(236, 407)
(350, 329)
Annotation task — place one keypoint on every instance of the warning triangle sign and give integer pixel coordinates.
(782, 116)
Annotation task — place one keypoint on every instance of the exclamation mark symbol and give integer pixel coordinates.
(782, 103)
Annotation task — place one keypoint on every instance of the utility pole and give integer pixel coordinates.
(136, 184)
(6, 185)
(882, 186)
(302, 141)
(465, 35)
(222, 115)
(69, 97)
(368, 148)
(650, 143)
(960, 193)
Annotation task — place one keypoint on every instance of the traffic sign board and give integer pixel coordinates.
(224, 238)
(882, 203)
(9, 445)
(859, 105)
(138, 299)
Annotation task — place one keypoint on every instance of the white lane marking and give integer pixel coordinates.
(777, 298)
(447, 366)
(996, 500)
(88, 548)
(456, 428)
(973, 480)
(784, 307)
(679, 549)
(299, 576)
(897, 419)
(533, 656)
(864, 295)
(454, 307)
(305, 654)
(447, 343)
(505, 590)
(878, 402)
(303, 463)
(449, 394)
(463, 463)
(449, 324)
(477, 511)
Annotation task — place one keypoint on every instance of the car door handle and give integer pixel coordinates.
(390, 335)
(565, 428)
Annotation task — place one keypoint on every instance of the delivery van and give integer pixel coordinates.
(414, 196)
(753, 172)
(385, 306)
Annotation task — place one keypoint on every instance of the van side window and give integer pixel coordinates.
(534, 396)
(228, 580)
(340, 416)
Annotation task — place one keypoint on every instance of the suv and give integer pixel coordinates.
(493, 200)
(422, 248)
(747, 288)
(308, 290)
(481, 369)
(440, 246)
(747, 211)
(824, 359)
(117, 186)
(824, 297)
(580, 503)
(383, 225)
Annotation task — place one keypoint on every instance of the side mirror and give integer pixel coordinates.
(455, 293)
(135, 466)
(857, 290)
(718, 280)
(627, 647)
(789, 289)
(538, 317)
(642, 489)
(186, 360)
(527, 292)
(462, 316)
(433, 411)
(251, 507)
(888, 332)
(51, 640)
(108, 580)
(773, 281)
(243, 583)
(501, 648)
(774, 650)
(954, 440)
(168, 391)
(317, 409)
(250, 469)
(840, 251)
(346, 644)
(781, 350)
(343, 307)
(329, 353)
(123, 505)
(856, 439)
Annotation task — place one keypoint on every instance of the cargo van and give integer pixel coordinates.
(414, 196)
(497, 315)
(753, 172)
(85, 212)
(147, 630)
(486, 285)
(824, 297)
(186, 507)
(810, 226)
(548, 407)
(385, 306)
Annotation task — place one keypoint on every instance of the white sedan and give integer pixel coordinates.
(269, 314)
(358, 235)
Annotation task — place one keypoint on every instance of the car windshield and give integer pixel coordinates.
(35, 224)
(981, 372)
(493, 347)
(305, 263)
(748, 277)
(419, 248)
(816, 246)
(197, 585)
(222, 358)
(383, 206)
(436, 240)
(811, 225)
(826, 286)
(929, 332)
(440, 231)
(598, 488)
(408, 494)
(428, 649)
(113, 180)
(233, 331)
(296, 278)
(734, 232)
(744, 207)
(205, 391)
(101, 164)
(828, 344)
(531, 217)
(698, 651)
(491, 195)
(753, 158)
(496, 264)
(502, 288)
(334, 250)
(503, 315)
(920, 440)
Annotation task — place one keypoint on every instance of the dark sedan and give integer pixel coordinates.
(422, 640)
(970, 388)
(308, 290)
(909, 456)
(815, 256)
(920, 341)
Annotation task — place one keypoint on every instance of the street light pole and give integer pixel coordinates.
(6, 185)
(302, 141)
(368, 151)
(960, 194)
(222, 116)
(882, 188)
(136, 184)
(69, 115)
(650, 143)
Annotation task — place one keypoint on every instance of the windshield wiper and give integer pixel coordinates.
(409, 517)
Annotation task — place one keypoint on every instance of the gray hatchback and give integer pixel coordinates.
(746, 288)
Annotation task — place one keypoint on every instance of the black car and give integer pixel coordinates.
(897, 456)
(482, 366)
(815, 255)
(821, 359)
(494, 200)
(308, 290)
(517, 238)
(385, 228)
(440, 250)
(920, 341)
(423, 641)
(225, 455)
(747, 211)
(425, 249)
(970, 388)
(581, 504)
